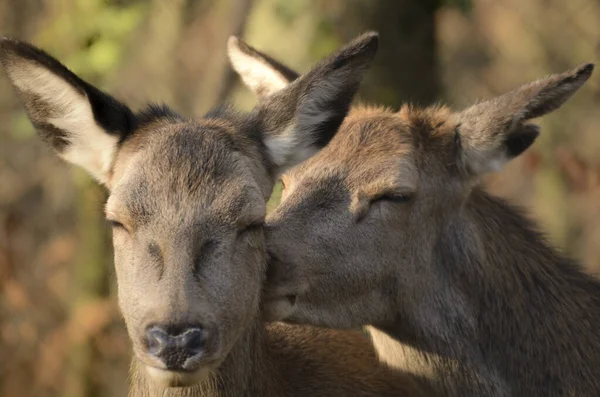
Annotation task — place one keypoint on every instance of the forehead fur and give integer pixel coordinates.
(432, 128)
(377, 149)
(363, 132)
(378, 133)
(170, 159)
(381, 129)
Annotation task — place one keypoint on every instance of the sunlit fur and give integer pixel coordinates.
(187, 201)
(388, 226)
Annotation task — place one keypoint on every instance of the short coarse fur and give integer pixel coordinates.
(187, 202)
(388, 226)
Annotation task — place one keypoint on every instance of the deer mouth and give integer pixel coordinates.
(169, 378)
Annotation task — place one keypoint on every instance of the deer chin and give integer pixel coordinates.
(277, 309)
(165, 378)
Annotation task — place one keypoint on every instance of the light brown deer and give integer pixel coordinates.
(388, 226)
(187, 202)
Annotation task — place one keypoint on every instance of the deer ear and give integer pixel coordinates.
(493, 132)
(81, 123)
(262, 74)
(301, 118)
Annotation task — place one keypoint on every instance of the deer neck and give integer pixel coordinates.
(505, 315)
(245, 372)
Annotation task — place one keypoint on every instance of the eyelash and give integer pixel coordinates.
(116, 224)
(393, 198)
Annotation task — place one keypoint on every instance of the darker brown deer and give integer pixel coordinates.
(388, 226)
(187, 203)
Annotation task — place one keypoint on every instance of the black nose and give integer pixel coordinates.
(175, 345)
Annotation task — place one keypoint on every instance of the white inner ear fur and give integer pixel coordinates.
(258, 75)
(287, 150)
(289, 147)
(90, 146)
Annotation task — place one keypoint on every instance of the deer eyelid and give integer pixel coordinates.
(115, 224)
(394, 197)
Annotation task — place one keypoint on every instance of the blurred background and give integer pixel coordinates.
(60, 331)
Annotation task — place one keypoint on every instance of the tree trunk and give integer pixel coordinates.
(405, 68)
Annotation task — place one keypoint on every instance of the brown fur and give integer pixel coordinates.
(387, 226)
(187, 201)
(283, 360)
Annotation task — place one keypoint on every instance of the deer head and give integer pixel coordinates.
(187, 197)
(351, 242)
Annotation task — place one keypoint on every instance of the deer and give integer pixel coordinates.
(390, 227)
(186, 203)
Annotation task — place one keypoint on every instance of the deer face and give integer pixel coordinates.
(187, 207)
(187, 198)
(353, 239)
(328, 238)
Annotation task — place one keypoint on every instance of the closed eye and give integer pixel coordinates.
(393, 198)
(376, 203)
(116, 224)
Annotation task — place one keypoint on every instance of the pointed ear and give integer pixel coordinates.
(259, 72)
(81, 123)
(491, 133)
(300, 119)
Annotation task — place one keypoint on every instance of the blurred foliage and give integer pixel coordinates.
(59, 323)
(275, 197)
(464, 6)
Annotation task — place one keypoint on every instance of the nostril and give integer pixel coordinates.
(175, 346)
(157, 340)
(192, 340)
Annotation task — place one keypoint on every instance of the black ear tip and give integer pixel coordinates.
(10, 47)
(371, 35)
(13, 47)
(364, 46)
(7, 45)
(581, 73)
(585, 70)
(235, 43)
(6, 41)
(369, 39)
